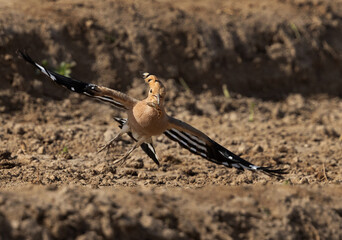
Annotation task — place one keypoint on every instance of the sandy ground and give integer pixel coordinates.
(280, 61)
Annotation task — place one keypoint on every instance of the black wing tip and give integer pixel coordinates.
(20, 52)
(25, 56)
(274, 172)
(267, 170)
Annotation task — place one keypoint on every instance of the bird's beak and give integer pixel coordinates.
(157, 96)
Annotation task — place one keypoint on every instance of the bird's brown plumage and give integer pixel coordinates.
(147, 118)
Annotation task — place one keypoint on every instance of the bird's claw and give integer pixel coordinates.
(120, 161)
(104, 147)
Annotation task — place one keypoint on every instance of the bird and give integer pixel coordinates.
(147, 118)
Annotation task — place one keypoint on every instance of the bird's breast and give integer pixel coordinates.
(146, 120)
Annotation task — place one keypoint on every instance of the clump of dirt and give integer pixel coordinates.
(280, 62)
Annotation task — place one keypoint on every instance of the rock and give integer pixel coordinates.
(66, 156)
(296, 101)
(89, 23)
(278, 113)
(18, 129)
(304, 181)
(331, 132)
(41, 150)
(52, 178)
(5, 154)
(142, 175)
(136, 164)
(233, 116)
(91, 235)
(283, 149)
(257, 148)
(101, 168)
(296, 159)
(8, 57)
(131, 172)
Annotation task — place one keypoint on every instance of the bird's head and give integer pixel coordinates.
(157, 91)
(149, 78)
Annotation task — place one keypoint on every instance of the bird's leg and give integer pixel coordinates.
(125, 129)
(137, 144)
(110, 142)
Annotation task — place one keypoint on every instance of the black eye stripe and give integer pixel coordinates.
(149, 80)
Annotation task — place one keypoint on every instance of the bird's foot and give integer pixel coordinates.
(104, 147)
(120, 161)
(111, 141)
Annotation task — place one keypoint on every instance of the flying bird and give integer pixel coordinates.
(147, 118)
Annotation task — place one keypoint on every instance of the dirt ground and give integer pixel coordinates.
(281, 63)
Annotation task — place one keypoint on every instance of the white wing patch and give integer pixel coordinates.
(43, 70)
(192, 140)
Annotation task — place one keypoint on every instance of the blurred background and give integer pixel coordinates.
(264, 49)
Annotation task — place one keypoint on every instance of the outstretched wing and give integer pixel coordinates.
(146, 147)
(116, 98)
(198, 143)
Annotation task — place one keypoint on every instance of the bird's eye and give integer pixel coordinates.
(150, 90)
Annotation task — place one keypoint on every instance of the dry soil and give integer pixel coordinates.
(281, 64)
